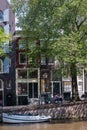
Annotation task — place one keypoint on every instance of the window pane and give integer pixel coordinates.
(30, 90)
(22, 88)
(32, 74)
(67, 86)
(6, 47)
(6, 65)
(1, 16)
(56, 88)
(22, 44)
(56, 75)
(43, 60)
(0, 65)
(0, 84)
(6, 15)
(50, 61)
(22, 74)
(35, 90)
(23, 58)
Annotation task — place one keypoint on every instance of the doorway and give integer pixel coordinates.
(56, 87)
(1, 98)
(33, 90)
(1, 93)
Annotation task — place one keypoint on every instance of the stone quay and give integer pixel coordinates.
(62, 111)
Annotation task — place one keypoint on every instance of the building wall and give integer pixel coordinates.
(7, 75)
(27, 78)
(3, 4)
(9, 18)
(50, 78)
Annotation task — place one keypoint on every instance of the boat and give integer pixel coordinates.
(19, 118)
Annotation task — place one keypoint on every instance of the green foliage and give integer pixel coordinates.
(71, 46)
(3, 39)
(61, 25)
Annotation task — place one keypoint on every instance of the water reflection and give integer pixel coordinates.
(46, 126)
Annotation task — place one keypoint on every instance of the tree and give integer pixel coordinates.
(3, 38)
(71, 46)
(61, 26)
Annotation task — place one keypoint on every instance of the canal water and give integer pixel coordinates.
(46, 126)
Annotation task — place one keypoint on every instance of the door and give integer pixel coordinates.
(56, 87)
(1, 98)
(1, 93)
(33, 90)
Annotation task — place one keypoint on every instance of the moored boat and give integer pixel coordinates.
(17, 118)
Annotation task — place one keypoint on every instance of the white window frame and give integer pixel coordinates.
(1, 71)
(20, 59)
(6, 15)
(1, 85)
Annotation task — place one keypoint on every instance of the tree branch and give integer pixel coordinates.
(78, 26)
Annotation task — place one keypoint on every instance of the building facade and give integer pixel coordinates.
(19, 81)
(7, 23)
(24, 82)
(31, 82)
(27, 82)
(44, 78)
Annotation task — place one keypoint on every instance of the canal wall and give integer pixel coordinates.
(61, 111)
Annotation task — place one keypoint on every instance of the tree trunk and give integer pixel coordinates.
(75, 95)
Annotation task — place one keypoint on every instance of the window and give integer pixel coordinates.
(1, 15)
(22, 58)
(56, 75)
(33, 90)
(22, 74)
(80, 83)
(22, 88)
(80, 86)
(6, 65)
(67, 86)
(43, 60)
(1, 85)
(25, 44)
(6, 47)
(22, 44)
(27, 73)
(6, 15)
(32, 74)
(1, 66)
(50, 61)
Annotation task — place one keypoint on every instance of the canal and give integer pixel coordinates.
(46, 126)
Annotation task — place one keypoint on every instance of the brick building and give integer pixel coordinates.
(7, 23)
(19, 82)
(43, 78)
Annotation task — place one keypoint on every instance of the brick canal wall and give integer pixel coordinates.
(69, 111)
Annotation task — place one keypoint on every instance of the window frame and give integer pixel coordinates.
(1, 16)
(1, 85)
(22, 63)
(1, 68)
